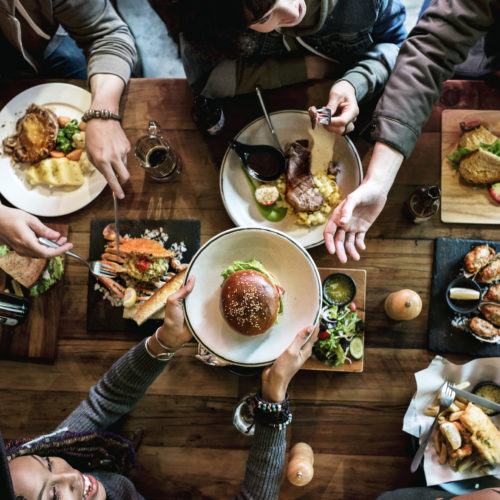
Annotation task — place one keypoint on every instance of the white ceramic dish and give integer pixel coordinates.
(282, 256)
(290, 125)
(63, 99)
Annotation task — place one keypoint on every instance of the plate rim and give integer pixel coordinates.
(262, 118)
(246, 228)
(60, 210)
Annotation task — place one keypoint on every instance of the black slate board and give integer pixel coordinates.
(101, 315)
(449, 254)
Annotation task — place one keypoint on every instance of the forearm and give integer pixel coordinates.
(383, 168)
(106, 92)
(264, 465)
(117, 392)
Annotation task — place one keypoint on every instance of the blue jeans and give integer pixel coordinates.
(64, 59)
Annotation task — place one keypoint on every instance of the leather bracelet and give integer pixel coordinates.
(100, 114)
(275, 415)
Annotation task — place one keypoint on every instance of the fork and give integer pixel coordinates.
(445, 400)
(96, 268)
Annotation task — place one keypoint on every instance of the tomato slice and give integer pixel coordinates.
(142, 265)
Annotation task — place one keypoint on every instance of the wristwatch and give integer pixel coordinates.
(101, 114)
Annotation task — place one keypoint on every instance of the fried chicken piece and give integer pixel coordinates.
(490, 273)
(492, 313)
(483, 328)
(477, 258)
(493, 293)
(35, 137)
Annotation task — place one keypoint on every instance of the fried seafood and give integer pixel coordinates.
(483, 328)
(491, 273)
(493, 293)
(477, 258)
(492, 313)
(35, 137)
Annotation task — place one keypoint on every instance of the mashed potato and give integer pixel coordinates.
(326, 185)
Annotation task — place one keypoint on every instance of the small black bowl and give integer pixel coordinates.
(479, 388)
(346, 282)
(463, 306)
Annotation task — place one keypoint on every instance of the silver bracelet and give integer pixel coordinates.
(163, 356)
(163, 346)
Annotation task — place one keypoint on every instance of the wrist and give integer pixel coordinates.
(273, 394)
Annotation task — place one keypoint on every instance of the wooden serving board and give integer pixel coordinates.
(460, 201)
(36, 338)
(359, 277)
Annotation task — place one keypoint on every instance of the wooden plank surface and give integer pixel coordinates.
(460, 200)
(37, 337)
(359, 277)
(190, 448)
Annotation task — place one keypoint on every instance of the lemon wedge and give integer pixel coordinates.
(464, 293)
(129, 297)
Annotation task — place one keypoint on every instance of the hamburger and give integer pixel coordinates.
(250, 298)
(38, 275)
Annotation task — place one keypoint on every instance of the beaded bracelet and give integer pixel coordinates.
(275, 415)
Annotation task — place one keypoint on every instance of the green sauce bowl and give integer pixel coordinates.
(339, 289)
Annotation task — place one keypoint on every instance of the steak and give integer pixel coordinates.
(35, 137)
(301, 191)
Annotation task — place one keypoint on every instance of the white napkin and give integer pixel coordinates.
(429, 381)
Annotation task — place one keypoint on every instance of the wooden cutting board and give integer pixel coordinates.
(359, 277)
(37, 337)
(460, 201)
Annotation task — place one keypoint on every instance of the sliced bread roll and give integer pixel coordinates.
(25, 270)
(156, 302)
(473, 138)
(480, 167)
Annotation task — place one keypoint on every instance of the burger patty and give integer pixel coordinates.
(249, 302)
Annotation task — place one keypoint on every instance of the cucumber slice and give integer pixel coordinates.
(356, 348)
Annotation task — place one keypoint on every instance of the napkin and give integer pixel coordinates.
(429, 382)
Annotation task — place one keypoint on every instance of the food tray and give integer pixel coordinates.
(359, 277)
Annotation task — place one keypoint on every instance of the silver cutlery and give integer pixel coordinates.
(97, 268)
(446, 398)
(117, 227)
(474, 398)
(268, 119)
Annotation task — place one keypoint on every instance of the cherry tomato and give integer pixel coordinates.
(323, 335)
(142, 265)
(352, 306)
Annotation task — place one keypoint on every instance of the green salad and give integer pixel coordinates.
(340, 338)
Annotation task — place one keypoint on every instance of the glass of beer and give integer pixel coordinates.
(156, 156)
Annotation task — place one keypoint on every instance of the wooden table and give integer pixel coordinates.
(190, 448)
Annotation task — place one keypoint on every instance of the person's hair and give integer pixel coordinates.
(215, 28)
(84, 451)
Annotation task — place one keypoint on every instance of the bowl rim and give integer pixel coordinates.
(330, 301)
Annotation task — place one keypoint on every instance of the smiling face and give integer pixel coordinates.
(283, 14)
(52, 478)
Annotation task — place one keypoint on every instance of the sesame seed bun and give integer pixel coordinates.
(249, 302)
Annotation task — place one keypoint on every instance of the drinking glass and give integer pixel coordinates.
(156, 156)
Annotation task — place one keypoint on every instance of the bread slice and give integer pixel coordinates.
(484, 435)
(25, 270)
(480, 167)
(157, 301)
(473, 138)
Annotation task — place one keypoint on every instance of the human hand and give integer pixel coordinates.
(20, 231)
(342, 101)
(346, 229)
(275, 378)
(174, 331)
(107, 148)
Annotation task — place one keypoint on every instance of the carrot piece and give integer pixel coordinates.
(63, 120)
(56, 154)
(82, 126)
(74, 155)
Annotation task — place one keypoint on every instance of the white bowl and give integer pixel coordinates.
(281, 255)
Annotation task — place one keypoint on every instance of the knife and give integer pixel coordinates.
(117, 227)
(473, 398)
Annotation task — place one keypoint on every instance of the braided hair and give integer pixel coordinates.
(85, 451)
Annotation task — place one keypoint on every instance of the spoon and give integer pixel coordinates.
(263, 162)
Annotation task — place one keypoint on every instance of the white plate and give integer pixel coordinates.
(280, 255)
(289, 125)
(65, 100)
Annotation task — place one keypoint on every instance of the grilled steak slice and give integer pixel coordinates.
(35, 137)
(301, 192)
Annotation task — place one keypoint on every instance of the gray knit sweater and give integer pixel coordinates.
(117, 393)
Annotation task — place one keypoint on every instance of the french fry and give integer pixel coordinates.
(443, 454)
(465, 464)
(431, 411)
(437, 442)
(455, 415)
(476, 466)
(460, 404)
(463, 385)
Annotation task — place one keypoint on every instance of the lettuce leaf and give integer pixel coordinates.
(492, 148)
(457, 155)
(4, 250)
(53, 272)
